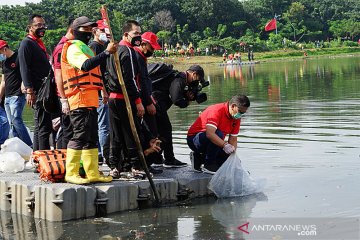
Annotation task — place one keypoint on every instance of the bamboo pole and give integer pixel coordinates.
(128, 106)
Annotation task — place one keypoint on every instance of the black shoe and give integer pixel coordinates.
(155, 170)
(158, 161)
(210, 168)
(174, 163)
(196, 161)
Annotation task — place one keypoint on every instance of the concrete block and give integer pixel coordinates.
(198, 186)
(167, 189)
(118, 196)
(188, 179)
(62, 201)
(5, 195)
(23, 197)
(5, 187)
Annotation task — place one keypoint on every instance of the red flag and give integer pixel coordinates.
(271, 25)
(105, 20)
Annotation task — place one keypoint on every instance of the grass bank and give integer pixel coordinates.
(265, 56)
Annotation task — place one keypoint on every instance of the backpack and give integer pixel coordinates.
(50, 164)
(48, 94)
(159, 72)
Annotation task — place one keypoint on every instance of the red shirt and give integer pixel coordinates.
(217, 116)
(57, 53)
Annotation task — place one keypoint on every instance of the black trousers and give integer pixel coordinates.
(122, 144)
(66, 132)
(164, 128)
(150, 121)
(85, 128)
(43, 128)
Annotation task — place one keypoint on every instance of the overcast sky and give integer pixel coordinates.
(17, 2)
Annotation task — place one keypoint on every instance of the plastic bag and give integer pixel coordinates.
(11, 162)
(231, 180)
(18, 146)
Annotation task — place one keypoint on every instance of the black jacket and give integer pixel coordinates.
(34, 64)
(145, 82)
(171, 91)
(130, 73)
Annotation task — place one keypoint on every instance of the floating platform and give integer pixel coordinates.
(239, 63)
(24, 193)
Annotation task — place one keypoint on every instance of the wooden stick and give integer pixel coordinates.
(128, 105)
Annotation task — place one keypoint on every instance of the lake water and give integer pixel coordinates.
(301, 133)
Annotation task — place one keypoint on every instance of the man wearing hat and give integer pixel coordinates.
(14, 98)
(149, 44)
(82, 80)
(178, 92)
(98, 45)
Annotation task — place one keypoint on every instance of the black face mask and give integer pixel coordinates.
(148, 54)
(40, 32)
(82, 36)
(135, 41)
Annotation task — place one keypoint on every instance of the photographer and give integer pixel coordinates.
(180, 89)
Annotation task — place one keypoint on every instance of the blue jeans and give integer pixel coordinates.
(103, 128)
(14, 107)
(4, 126)
(214, 154)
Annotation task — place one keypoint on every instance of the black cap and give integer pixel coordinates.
(82, 22)
(199, 70)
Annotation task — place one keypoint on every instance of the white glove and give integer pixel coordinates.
(228, 148)
(65, 108)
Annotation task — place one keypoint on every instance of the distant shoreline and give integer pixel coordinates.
(273, 56)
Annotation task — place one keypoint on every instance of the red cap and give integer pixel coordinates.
(151, 38)
(3, 43)
(100, 24)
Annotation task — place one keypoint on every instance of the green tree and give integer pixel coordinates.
(221, 29)
(344, 28)
(164, 36)
(295, 18)
(208, 32)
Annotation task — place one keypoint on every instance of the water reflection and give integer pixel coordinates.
(301, 134)
(231, 213)
(206, 219)
(14, 226)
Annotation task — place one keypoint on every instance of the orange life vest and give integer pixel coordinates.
(50, 164)
(76, 80)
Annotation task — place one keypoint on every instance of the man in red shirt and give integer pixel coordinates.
(206, 136)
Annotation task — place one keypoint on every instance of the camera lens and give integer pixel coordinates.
(201, 97)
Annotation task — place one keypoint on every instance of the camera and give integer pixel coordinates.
(195, 88)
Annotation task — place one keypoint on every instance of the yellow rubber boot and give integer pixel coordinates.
(72, 167)
(91, 166)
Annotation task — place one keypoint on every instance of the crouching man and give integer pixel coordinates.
(82, 80)
(206, 136)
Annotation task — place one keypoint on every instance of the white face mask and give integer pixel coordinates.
(103, 37)
(2, 57)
